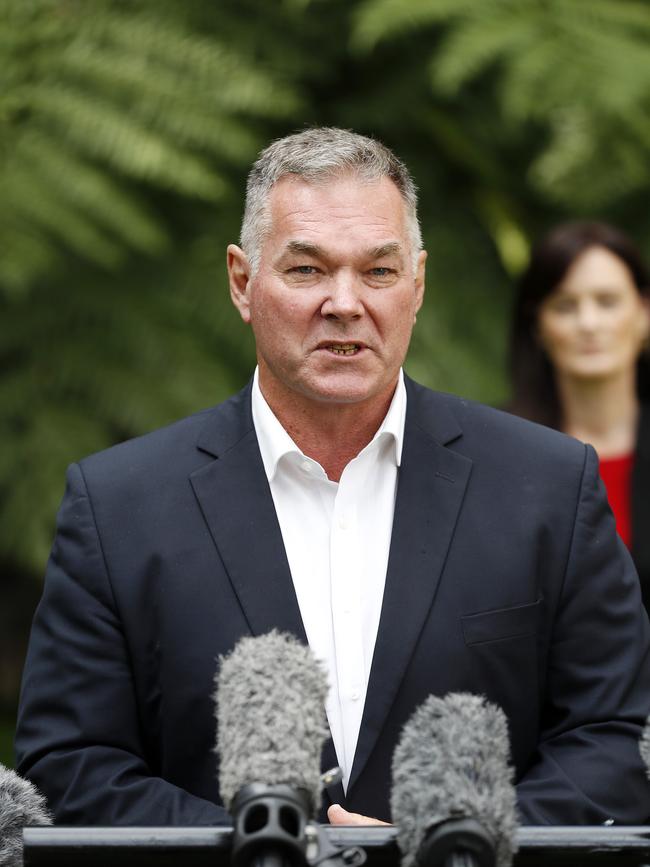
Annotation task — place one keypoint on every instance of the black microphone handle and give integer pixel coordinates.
(269, 826)
(457, 843)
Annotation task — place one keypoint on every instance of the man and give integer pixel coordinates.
(420, 543)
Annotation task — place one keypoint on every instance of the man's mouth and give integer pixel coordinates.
(343, 348)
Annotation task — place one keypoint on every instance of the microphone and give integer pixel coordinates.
(21, 804)
(453, 796)
(271, 726)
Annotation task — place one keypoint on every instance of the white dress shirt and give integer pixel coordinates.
(337, 540)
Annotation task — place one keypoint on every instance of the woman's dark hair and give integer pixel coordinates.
(534, 393)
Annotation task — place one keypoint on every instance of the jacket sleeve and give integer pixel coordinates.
(79, 735)
(588, 768)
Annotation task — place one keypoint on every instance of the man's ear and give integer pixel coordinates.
(419, 279)
(239, 279)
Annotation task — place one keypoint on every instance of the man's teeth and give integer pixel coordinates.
(344, 348)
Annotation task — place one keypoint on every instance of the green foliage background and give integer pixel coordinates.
(127, 128)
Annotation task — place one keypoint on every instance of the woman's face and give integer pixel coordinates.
(593, 325)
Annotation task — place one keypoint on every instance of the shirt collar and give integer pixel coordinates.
(275, 442)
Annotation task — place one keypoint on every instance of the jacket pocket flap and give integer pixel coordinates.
(501, 623)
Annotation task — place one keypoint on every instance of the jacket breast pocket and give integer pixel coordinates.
(501, 623)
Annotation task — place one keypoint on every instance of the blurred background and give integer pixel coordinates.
(126, 132)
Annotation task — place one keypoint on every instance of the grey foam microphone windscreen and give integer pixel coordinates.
(21, 804)
(644, 745)
(271, 722)
(451, 762)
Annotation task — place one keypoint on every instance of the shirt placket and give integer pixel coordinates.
(346, 570)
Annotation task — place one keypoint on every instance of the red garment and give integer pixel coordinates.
(616, 473)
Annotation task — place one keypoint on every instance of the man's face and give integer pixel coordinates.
(334, 299)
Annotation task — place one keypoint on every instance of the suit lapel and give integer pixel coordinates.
(431, 486)
(236, 501)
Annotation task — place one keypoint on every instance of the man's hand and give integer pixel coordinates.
(338, 816)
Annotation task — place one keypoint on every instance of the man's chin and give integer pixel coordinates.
(338, 392)
(324, 388)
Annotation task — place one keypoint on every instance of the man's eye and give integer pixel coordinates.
(303, 269)
(381, 272)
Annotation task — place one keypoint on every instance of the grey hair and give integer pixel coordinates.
(316, 155)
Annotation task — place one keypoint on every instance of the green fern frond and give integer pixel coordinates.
(565, 171)
(630, 16)
(101, 131)
(214, 78)
(468, 49)
(83, 187)
(51, 217)
(100, 103)
(376, 20)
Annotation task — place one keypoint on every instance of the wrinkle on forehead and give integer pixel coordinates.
(347, 211)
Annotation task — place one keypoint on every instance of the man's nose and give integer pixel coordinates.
(344, 298)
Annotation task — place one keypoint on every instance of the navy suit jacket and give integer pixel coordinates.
(505, 578)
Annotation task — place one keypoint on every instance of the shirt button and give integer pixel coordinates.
(305, 467)
(355, 696)
(343, 524)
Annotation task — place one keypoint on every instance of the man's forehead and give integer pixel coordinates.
(300, 207)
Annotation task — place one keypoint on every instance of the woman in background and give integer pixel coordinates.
(579, 362)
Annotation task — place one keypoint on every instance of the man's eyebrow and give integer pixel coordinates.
(303, 247)
(306, 248)
(385, 250)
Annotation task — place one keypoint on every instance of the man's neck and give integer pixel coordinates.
(330, 433)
